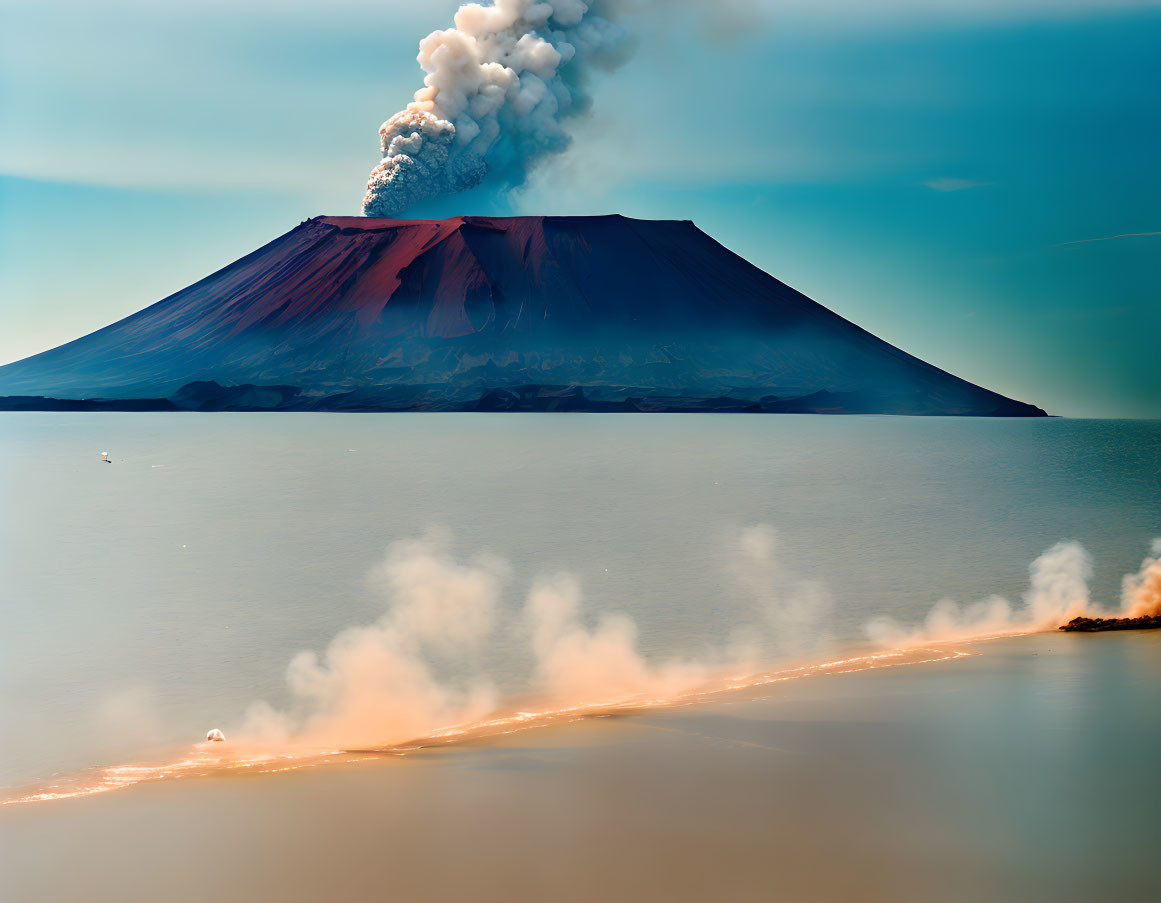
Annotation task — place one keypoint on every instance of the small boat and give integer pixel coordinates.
(105, 457)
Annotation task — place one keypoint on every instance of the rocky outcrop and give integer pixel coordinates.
(1093, 625)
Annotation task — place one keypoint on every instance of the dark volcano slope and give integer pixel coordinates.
(478, 313)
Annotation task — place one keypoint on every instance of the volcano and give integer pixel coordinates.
(489, 314)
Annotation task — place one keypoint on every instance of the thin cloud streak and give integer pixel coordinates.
(1085, 241)
(952, 184)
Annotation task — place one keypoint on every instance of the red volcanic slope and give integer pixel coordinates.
(370, 265)
(471, 306)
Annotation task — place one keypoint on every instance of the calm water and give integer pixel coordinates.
(1024, 775)
(143, 602)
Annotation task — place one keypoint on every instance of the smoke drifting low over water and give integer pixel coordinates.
(145, 602)
(388, 681)
(411, 672)
(400, 684)
(254, 757)
(1058, 593)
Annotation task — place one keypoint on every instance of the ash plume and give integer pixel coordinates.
(500, 88)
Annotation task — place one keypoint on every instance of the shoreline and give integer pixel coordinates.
(206, 759)
(899, 776)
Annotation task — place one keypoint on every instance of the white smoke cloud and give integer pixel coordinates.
(414, 670)
(1141, 592)
(389, 681)
(377, 683)
(577, 664)
(1058, 592)
(794, 610)
(499, 89)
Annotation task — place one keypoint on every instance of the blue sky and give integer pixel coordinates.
(936, 172)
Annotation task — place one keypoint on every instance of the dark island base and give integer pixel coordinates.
(1092, 625)
(207, 395)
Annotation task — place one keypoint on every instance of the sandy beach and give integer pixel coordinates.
(1025, 771)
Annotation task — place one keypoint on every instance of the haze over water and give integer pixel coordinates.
(148, 600)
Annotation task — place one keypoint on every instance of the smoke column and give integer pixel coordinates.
(499, 89)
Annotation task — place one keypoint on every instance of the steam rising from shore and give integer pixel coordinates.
(793, 611)
(579, 664)
(1141, 592)
(413, 672)
(499, 90)
(409, 673)
(381, 677)
(401, 682)
(1058, 592)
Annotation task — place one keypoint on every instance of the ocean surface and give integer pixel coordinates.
(1022, 772)
(144, 601)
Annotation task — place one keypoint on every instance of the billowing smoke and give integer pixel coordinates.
(1141, 592)
(417, 668)
(794, 610)
(500, 88)
(602, 664)
(380, 681)
(1058, 592)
